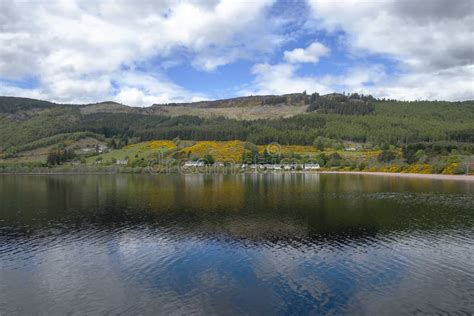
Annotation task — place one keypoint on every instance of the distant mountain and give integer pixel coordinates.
(301, 102)
(293, 99)
(13, 104)
(9, 104)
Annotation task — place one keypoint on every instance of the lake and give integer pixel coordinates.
(290, 244)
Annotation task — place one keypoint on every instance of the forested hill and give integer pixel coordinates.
(288, 119)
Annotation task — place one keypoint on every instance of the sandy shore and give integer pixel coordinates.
(406, 175)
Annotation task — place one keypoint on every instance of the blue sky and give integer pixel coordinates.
(142, 52)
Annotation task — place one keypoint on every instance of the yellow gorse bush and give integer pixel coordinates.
(159, 144)
(154, 144)
(225, 151)
(451, 168)
(287, 149)
(418, 168)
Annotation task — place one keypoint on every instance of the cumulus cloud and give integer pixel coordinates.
(450, 84)
(86, 51)
(454, 83)
(310, 54)
(143, 89)
(284, 78)
(431, 43)
(430, 40)
(281, 79)
(435, 34)
(74, 47)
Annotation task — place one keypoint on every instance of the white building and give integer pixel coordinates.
(193, 164)
(102, 149)
(122, 161)
(311, 166)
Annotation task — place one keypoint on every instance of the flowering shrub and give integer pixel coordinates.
(225, 151)
(287, 149)
(418, 168)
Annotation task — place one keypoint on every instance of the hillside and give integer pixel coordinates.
(293, 99)
(26, 124)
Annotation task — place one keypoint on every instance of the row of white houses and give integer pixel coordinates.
(283, 167)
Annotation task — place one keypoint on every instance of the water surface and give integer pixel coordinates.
(223, 244)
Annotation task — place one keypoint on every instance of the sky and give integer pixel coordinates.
(144, 52)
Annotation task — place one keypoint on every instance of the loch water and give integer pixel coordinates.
(275, 244)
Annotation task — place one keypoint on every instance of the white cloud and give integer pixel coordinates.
(88, 51)
(281, 79)
(310, 54)
(284, 78)
(75, 48)
(134, 88)
(141, 89)
(451, 84)
(435, 34)
(430, 40)
(11, 90)
(454, 83)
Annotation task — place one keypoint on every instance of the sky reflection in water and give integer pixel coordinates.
(273, 244)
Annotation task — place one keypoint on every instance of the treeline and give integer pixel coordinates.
(57, 139)
(59, 156)
(288, 99)
(353, 104)
(300, 129)
(13, 104)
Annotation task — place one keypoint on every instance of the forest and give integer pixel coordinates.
(431, 124)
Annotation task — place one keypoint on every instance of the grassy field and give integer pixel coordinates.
(143, 150)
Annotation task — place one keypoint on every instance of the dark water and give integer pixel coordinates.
(292, 244)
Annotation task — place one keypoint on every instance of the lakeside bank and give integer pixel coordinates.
(406, 175)
(112, 171)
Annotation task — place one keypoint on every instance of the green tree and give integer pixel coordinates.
(209, 159)
(386, 156)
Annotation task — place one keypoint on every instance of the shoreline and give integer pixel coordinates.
(432, 176)
(435, 176)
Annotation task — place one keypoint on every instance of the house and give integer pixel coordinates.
(272, 167)
(311, 166)
(87, 150)
(122, 162)
(102, 149)
(193, 164)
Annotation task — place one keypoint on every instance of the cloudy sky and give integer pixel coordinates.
(145, 52)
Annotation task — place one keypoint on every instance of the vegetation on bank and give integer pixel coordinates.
(330, 156)
(387, 122)
(344, 132)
